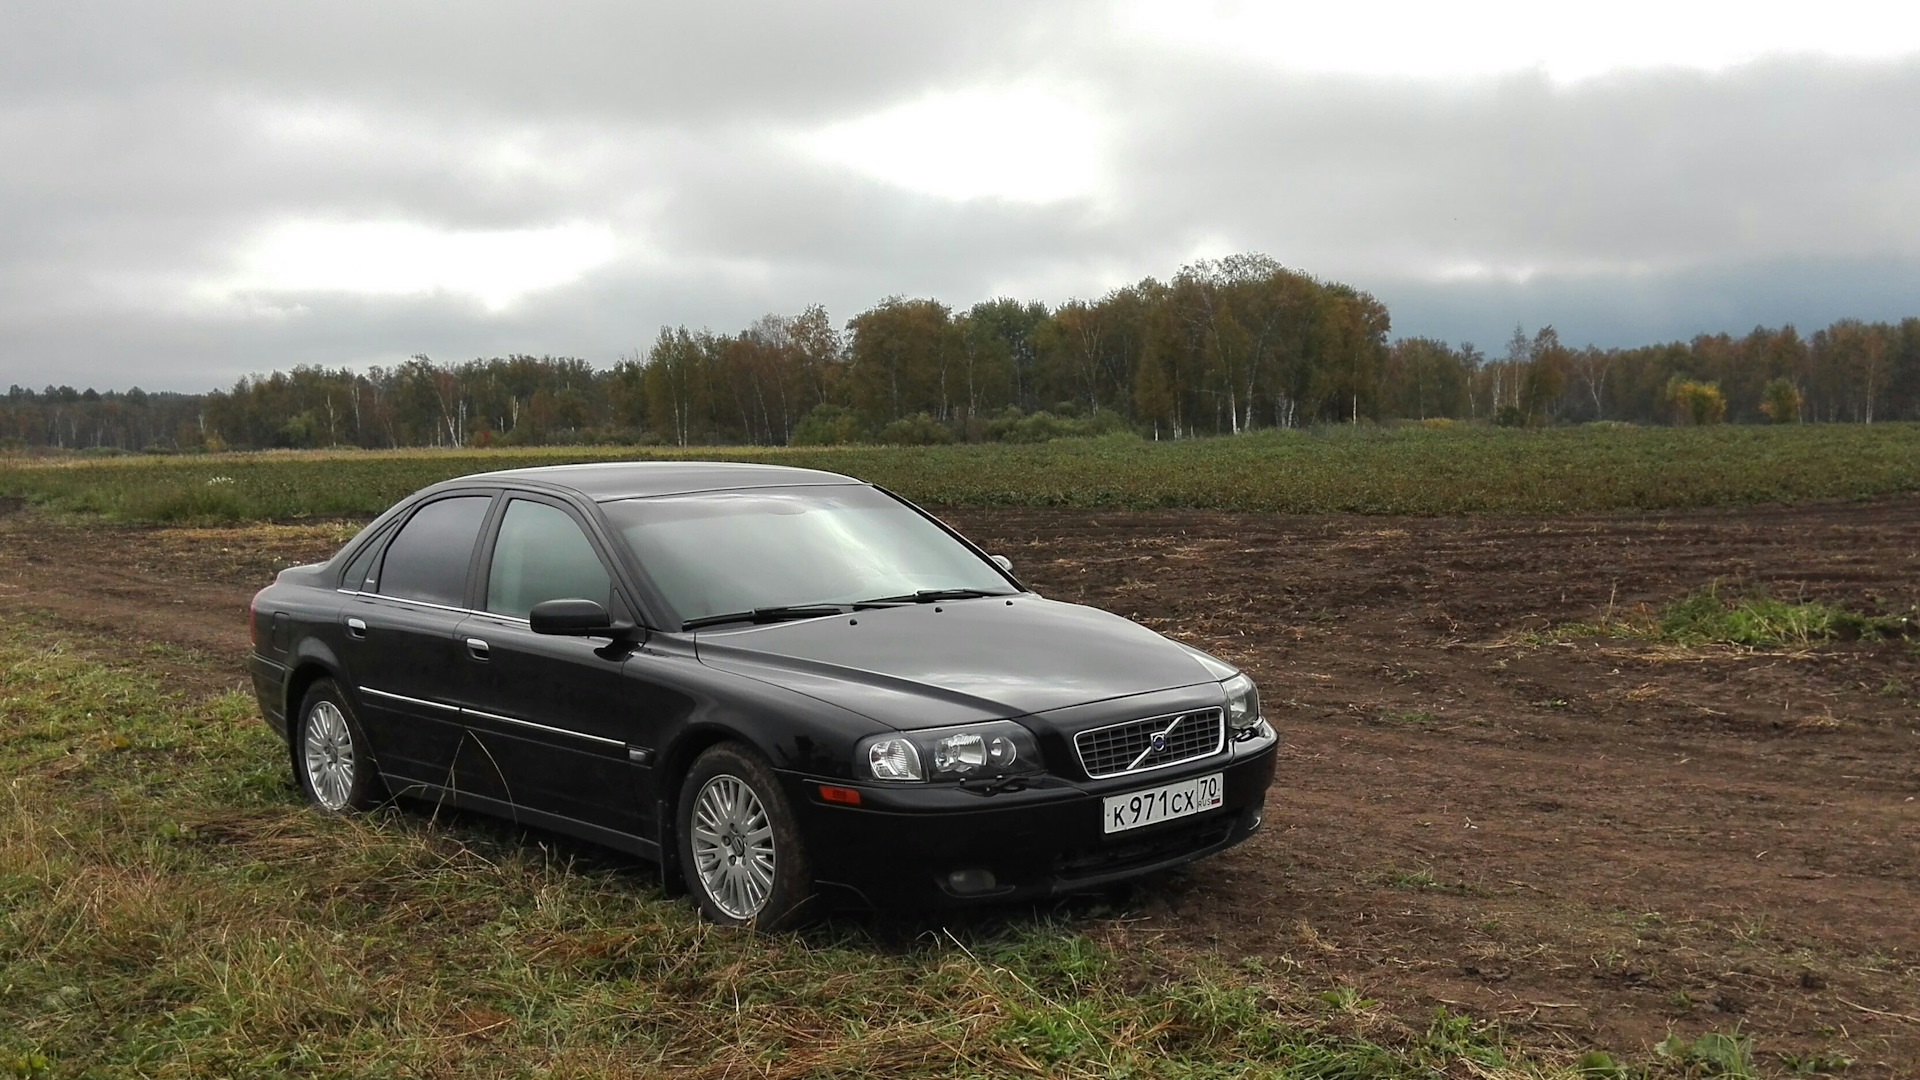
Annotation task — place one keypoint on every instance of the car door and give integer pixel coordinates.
(556, 716)
(401, 645)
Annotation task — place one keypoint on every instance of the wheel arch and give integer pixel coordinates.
(305, 673)
(312, 660)
(675, 760)
(697, 739)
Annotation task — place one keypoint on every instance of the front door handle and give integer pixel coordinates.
(356, 628)
(476, 648)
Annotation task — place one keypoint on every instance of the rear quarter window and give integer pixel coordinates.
(359, 573)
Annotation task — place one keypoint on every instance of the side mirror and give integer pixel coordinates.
(1003, 563)
(570, 618)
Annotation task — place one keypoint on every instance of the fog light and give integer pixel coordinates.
(893, 759)
(968, 882)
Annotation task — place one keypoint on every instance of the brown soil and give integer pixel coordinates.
(1593, 842)
(184, 590)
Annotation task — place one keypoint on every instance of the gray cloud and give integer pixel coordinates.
(148, 147)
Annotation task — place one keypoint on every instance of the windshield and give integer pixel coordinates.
(722, 552)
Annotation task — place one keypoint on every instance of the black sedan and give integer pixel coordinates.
(779, 683)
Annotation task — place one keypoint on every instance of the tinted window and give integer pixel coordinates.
(361, 569)
(428, 560)
(541, 555)
(727, 551)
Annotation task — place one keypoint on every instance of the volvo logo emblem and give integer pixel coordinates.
(1159, 741)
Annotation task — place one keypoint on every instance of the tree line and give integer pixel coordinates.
(1223, 346)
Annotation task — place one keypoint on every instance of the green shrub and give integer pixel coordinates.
(920, 429)
(1014, 426)
(826, 425)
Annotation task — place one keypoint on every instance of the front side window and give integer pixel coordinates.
(428, 561)
(542, 555)
(731, 551)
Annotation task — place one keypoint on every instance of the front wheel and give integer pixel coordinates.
(740, 850)
(330, 758)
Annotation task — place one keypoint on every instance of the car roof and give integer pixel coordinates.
(607, 481)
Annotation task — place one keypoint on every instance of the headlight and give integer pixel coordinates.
(1243, 707)
(1001, 748)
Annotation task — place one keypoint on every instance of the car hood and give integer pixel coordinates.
(931, 665)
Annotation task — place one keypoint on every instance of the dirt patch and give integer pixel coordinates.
(183, 588)
(1593, 842)
(1597, 841)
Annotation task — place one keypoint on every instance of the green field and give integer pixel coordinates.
(170, 908)
(1461, 469)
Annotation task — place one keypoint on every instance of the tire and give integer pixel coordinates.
(331, 759)
(740, 849)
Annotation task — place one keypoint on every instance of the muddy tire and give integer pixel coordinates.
(331, 759)
(740, 847)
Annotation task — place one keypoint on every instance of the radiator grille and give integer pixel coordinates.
(1129, 747)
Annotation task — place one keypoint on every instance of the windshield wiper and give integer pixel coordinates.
(766, 615)
(929, 596)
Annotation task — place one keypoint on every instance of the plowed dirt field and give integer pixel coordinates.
(1594, 841)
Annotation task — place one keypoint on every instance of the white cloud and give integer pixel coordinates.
(396, 258)
(1023, 144)
(1568, 41)
(206, 187)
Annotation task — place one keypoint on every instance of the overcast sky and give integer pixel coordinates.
(191, 191)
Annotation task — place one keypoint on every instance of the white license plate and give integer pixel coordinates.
(1184, 799)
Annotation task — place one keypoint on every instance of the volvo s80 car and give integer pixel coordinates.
(780, 683)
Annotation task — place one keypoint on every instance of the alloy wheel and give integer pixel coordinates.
(328, 746)
(732, 841)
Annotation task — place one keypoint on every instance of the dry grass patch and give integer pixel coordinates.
(168, 909)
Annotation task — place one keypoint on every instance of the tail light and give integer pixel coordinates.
(253, 621)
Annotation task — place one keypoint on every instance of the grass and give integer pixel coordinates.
(1412, 880)
(1364, 469)
(168, 908)
(1753, 619)
(1714, 1054)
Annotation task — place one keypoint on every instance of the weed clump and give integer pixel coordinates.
(1715, 1054)
(1754, 619)
(1758, 620)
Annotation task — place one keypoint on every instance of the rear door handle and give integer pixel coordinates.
(476, 648)
(356, 628)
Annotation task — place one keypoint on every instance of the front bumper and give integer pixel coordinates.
(899, 846)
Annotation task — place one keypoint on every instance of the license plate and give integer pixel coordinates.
(1184, 799)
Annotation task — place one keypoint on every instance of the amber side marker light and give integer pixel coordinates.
(840, 794)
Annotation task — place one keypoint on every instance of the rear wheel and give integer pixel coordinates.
(330, 758)
(740, 849)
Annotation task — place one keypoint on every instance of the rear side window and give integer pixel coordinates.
(428, 560)
(541, 555)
